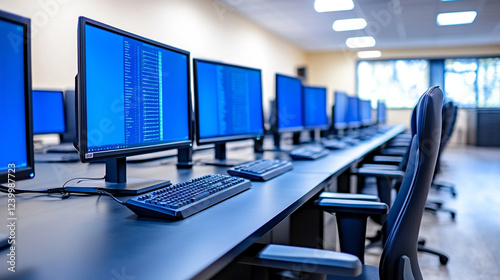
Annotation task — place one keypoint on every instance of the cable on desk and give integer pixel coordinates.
(62, 190)
(110, 195)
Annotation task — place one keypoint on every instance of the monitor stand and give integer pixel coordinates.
(116, 181)
(185, 158)
(277, 144)
(296, 138)
(220, 158)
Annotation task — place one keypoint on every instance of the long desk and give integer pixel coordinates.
(90, 237)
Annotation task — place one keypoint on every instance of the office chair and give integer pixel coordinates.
(387, 173)
(450, 112)
(389, 177)
(399, 258)
(449, 119)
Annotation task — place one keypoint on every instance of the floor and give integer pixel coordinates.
(472, 240)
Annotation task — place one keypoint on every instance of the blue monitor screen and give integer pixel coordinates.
(136, 93)
(340, 110)
(353, 116)
(228, 102)
(13, 142)
(315, 107)
(48, 112)
(381, 112)
(289, 103)
(365, 111)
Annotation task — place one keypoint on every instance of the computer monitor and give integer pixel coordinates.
(48, 112)
(381, 112)
(365, 111)
(69, 111)
(340, 111)
(315, 116)
(228, 101)
(353, 116)
(16, 143)
(133, 98)
(289, 107)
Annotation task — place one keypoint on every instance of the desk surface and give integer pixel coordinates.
(89, 237)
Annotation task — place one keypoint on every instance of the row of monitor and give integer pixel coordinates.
(352, 112)
(133, 97)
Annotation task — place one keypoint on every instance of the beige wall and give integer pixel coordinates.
(203, 27)
(336, 70)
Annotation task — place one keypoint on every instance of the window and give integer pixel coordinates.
(488, 82)
(469, 82)
(460, 81)
(399, 82)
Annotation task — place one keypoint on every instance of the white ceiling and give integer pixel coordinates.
(393, 23)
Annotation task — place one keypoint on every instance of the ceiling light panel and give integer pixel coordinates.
(349, 24)
(369, 54)
(456, 18)
(322, 6)
(360, 42)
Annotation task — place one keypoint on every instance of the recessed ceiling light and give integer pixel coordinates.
(369, 54)
(333, 5)
(349, 24)
(466, 17)
(360, 42)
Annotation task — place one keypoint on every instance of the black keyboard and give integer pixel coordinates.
(350, 140)
(261, 170)
(333, 144)
(187, 198)
(308, 152)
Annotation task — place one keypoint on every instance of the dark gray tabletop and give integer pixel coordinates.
(90, 237)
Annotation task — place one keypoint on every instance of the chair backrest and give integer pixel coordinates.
(413, 125)
(449, 119)
(403, 221)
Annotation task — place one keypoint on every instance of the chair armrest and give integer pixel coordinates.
(307, 260)
(406, 136)
(349, 196)
(371, 172)
(352, 216)
(380, 166)
(399, 144)
(356, 207)
(388, 159)
(393, 151)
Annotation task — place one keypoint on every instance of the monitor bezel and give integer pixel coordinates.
(27, 172)
(345, 124)
(82, 96)
(287, 129)
(226, 138)
(63, 111)
(327, 125)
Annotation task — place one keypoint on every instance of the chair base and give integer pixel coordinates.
(435, 206)
(444, 185)
(443, 259)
